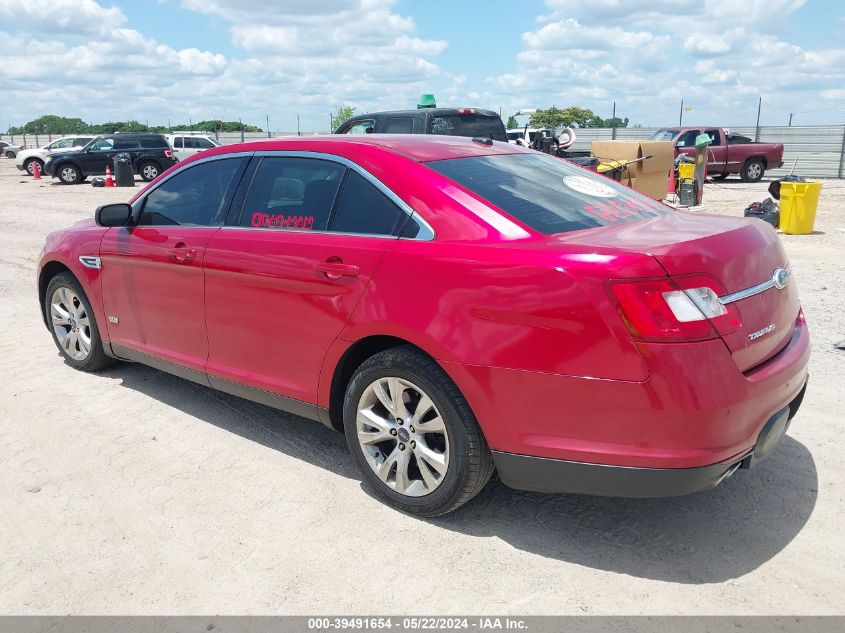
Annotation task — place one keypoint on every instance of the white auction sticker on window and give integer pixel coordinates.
(589, 187)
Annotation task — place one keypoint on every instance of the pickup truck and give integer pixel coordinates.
(446, 121)
(728, 153)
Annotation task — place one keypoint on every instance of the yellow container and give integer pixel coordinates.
(798, 202)
(686, 171)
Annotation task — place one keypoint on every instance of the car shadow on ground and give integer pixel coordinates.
(708, 537)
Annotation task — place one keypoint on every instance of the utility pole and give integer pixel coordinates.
(169, 127)
(790, 119)
(331, 123)
(613, 122)
(298, 132)
(267, 116)
(757, 129)
(241, 125)
(681, 116)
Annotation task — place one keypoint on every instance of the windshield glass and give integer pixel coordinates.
(664, 135)
(548, 194)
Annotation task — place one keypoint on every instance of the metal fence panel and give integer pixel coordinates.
(816, 151)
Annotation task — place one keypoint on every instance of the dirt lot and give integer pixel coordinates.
(133, 492)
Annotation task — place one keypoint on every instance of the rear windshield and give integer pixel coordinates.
(664, 135)
(469, 125)
(548, 194)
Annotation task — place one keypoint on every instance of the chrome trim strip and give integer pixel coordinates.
(426, 232)
(750, 292)
(91, 261)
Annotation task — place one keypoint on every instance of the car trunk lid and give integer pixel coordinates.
(741, 254)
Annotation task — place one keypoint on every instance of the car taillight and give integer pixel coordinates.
(683, 308)
(168, 153)
(466, 110)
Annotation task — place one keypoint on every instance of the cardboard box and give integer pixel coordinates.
(648, 176)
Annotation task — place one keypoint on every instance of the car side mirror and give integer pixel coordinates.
(115, 214)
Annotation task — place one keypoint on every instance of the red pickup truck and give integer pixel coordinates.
(728, 153)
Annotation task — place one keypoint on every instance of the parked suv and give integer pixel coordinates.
(27, 159)
(445, 121)
(186, 144)
(150, 153)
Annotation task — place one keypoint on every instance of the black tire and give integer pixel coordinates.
(29, 166)
(10, 155)
(470, 463)
(69, 174)
(719, 176)
(96, 358)
(752, 170)
(145, 170)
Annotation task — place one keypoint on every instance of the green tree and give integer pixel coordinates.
(512, 123)
(53, 124)
(341, 113)
(573, 116)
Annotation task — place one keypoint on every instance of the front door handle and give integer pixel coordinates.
(181, 253)
(334, 268)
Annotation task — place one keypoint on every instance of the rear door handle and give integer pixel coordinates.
(181, 253)
(334, 268)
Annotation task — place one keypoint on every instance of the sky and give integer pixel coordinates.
(181, 60)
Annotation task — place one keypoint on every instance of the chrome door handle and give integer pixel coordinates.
(335, 269)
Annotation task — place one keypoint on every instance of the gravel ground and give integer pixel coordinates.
(134, 492)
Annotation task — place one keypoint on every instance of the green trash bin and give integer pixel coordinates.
(798, 202)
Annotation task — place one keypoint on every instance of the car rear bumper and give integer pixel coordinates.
(542, 474)
(696, 409)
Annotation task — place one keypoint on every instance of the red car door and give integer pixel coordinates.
(152, 276)
(284, 278)
(717, 152)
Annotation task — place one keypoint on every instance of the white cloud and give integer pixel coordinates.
(648, 55)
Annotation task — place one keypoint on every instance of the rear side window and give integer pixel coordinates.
(546, 193)
(124, 144)
(399, 125)
(292, 193)
(469, 125)
(364, 209)
(153, 141)
(193, 197)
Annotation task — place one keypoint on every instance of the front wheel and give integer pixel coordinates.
(752, 170)
(70, 174)
(149, 171)
(413, 435)
(10, 155)
(73, 325)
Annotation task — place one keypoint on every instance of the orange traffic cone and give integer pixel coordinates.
(109, 181)
(36, 170)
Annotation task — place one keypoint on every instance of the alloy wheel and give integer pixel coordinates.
(70, 323)
(68, 174)
(402, 436)
(149, 172)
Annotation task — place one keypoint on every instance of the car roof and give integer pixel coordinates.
(417, 147)
(435, 111)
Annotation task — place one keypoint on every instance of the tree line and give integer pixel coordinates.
(568, 117)
(53, 124)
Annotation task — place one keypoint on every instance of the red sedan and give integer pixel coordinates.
(454, 306)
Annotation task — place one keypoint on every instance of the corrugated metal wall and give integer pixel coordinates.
(818, 149)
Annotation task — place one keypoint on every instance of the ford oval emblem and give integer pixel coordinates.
(780, 277)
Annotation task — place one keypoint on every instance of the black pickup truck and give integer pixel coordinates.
(447, 121)
(150, 153)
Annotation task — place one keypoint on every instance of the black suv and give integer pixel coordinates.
(447, 121)
(150, 154)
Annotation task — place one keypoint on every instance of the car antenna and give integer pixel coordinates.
(484, 140)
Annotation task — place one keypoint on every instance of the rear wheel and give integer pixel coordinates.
(10, 154)
(73, 325)
(70, 174)
(149, 171)
(29, 166)
(412, 434)
(752, 170)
